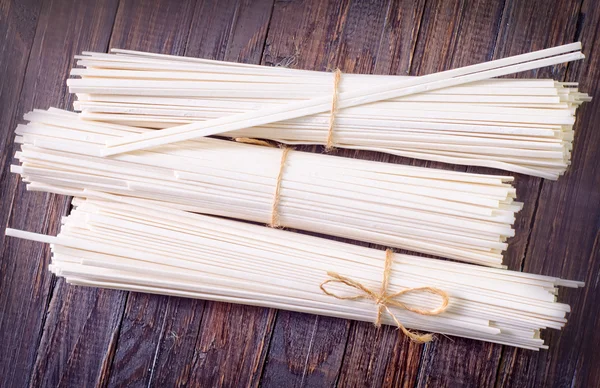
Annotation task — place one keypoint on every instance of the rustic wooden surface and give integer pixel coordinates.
(53, 334)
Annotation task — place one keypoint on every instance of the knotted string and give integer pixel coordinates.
(337, 76)
(274, 222)
(384, 300)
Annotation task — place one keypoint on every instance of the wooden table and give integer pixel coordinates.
(53, 334)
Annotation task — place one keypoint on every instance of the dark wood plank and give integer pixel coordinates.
(97, 354)
(399, 37)
(459, 362)
(81, 324)
(379, 357)
(233, 30)
(135, 346)
(519, 33)
(565, 241)
(231, 346)
(18, 21)
(327, 347)
(365, 38)
(454, 34)
(100, 337)
(451, 34)
(528, 26)
(434, 49)
(479, 367)
(208, 35)
(176, 345)
(80, 321)
(159, 26)
(82, 26)
(158, 340)
(305, 350)
(232, 336)
(305, 34)
(376, 357)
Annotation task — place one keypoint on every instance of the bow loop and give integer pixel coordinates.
(383, 300)
(337, 278)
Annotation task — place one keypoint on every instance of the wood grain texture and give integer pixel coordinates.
(159, 26)
(305, 34)
(365, 38)
(18, 22)
(80, 321)
(555, 23)
(231, 345)
(135, 347)
(58, 335)
(232, 335)
(461, 33)
(29, 285)
(565, 241)
(450, 32)
(379, 357)
(305, 350)
(376, 357)
(230, 30)
(211, 29)
(155, 348)
(175, 348)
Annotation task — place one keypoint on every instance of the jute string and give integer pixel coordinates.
(274, 222)
(250, 140)
(384, 300)
(337, 76)
(277, 196)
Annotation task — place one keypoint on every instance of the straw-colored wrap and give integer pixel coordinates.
(383, 299)
(337, 76)
(274, 222)
(277, 197)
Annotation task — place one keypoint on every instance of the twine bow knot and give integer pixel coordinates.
(384, 300)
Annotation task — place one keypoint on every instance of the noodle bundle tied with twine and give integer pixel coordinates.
(384, 300)
(465, 116)
(274, 222)
(329, 144)
(134, 244)
(462, 216)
